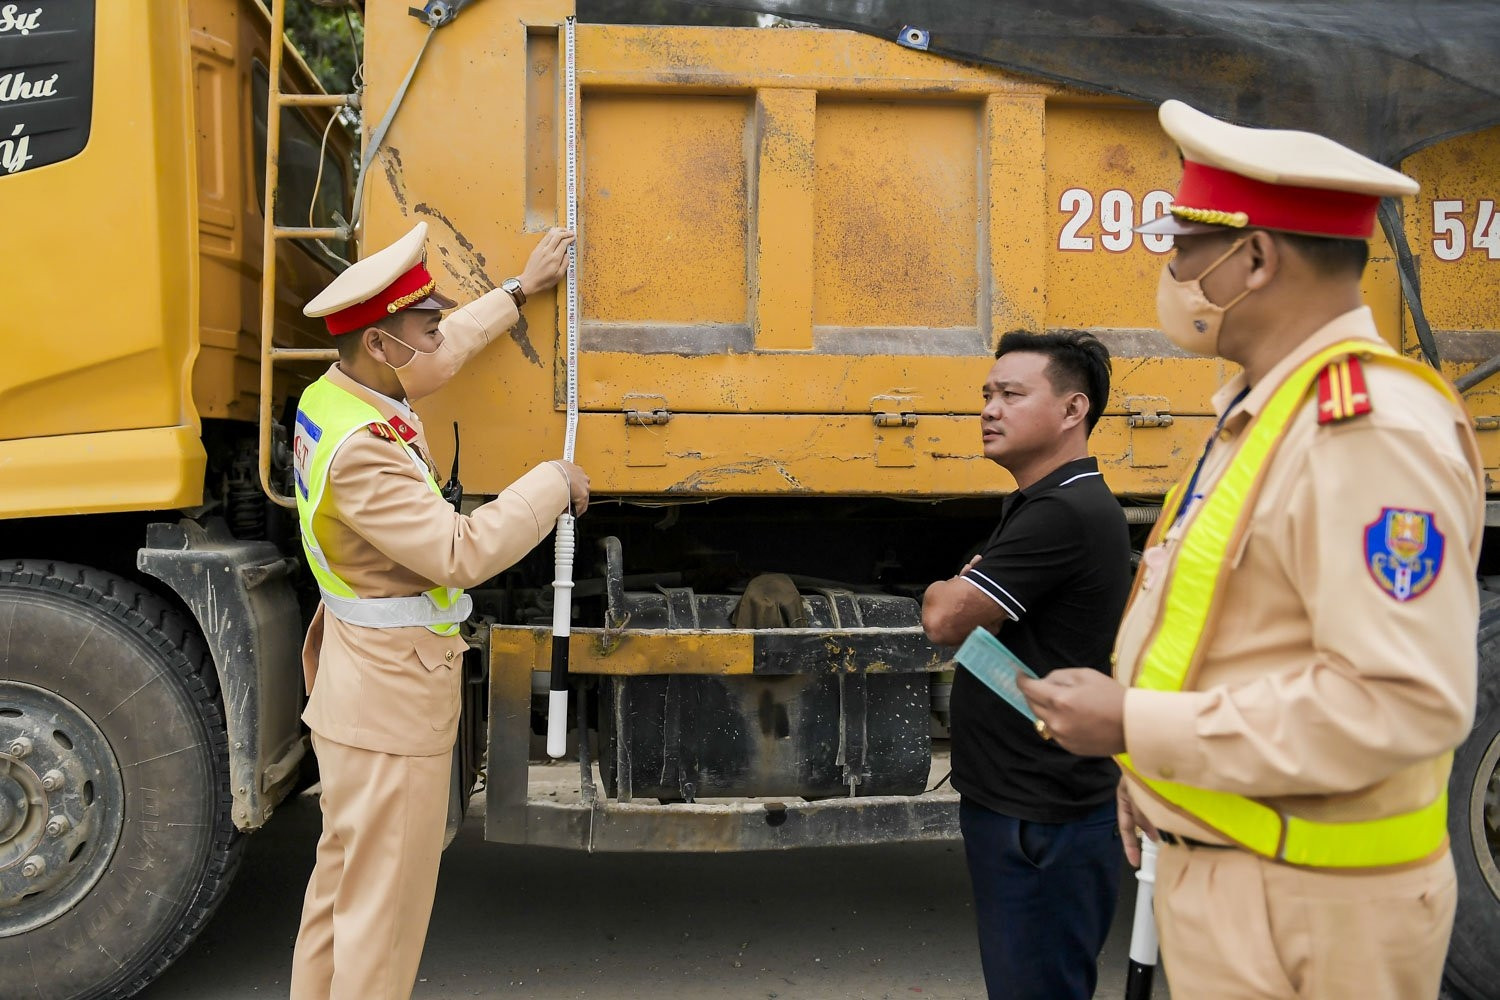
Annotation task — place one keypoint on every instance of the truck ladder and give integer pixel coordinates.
(270, 354)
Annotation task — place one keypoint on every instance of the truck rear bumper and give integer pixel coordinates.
(556, 813)
(721, 739)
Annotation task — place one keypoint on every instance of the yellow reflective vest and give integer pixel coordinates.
(327, 416)
(1185, 625)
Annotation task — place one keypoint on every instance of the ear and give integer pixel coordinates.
(1265, 259)
(1075, 410)
(372, 338)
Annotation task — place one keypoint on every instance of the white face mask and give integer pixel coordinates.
(425, 372)
(1187, 317)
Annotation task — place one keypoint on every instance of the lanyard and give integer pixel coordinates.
(1192, 496)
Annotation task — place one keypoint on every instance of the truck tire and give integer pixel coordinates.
(116, 842)
(1473, 969)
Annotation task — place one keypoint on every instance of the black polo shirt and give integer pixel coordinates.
(1058, 565)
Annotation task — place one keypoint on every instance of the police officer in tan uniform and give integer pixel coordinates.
(383, 655)
(1298, 659)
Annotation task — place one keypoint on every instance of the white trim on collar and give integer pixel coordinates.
(1074, 479)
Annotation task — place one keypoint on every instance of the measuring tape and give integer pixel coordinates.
(562, 583)
(570, 105)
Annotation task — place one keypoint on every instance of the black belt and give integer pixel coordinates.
(1176, 840)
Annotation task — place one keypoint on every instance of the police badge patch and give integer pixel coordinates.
(1404, 552)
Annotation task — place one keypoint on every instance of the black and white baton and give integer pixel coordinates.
(1143, 944)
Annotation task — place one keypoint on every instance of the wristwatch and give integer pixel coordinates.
(512, 286)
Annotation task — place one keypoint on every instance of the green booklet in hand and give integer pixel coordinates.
(986, 658)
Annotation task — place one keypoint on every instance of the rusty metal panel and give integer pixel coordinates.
(738, 454)
(1454, 229)
(782, 266)
(909, 257)
(1109, 167)
(635, 223)
(780, 227)
(518, 648)
(721, 651)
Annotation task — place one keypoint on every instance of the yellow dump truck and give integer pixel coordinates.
(798, 246)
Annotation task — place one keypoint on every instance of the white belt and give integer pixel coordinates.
(396, 612)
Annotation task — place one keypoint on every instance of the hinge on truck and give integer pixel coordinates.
(894, 450)
(645, 444)
(894, 411)
(1147, 411)
(1152, 450)
(1150, 419)
(647, 418)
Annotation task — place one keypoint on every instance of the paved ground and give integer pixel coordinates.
(867, 923)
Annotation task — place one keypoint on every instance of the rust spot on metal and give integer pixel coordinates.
(1116, 159)
(518, 334)
(422, 208)
(705, 480)
(393, 175)
(473, 281)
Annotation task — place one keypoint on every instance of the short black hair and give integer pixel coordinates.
(1077, 361)
(1330, 256)
(348, 343)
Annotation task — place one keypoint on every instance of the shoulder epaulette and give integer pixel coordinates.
(381, 429)
(1342, 394)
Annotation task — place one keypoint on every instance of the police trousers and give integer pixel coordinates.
(364, 918)
(1235, 926)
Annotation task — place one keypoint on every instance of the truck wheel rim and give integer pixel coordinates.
(1484, 816)
(62, 806)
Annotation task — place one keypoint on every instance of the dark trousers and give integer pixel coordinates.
(1044, 897)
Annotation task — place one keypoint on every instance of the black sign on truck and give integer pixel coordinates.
(46, 82)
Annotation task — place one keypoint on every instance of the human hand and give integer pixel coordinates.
(972, 563)
(548, 262)
(578, 487)
(1084, 710)
(1133, 823)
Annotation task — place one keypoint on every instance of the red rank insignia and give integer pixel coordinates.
(1341, 391)
(408, 434)
(382, 430)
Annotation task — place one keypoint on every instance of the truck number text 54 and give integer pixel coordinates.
(1452, 235)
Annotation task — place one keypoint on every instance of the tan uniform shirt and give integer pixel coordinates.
(1320, 693)
(386, 534)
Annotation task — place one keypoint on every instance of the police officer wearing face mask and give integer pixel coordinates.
(1298, 661)
(383, 657)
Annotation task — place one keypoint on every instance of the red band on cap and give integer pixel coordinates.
(1315, 211)
(377, 306)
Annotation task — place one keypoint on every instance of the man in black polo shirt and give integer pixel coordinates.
(1038, 822)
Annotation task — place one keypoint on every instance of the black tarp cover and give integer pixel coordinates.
(1386, 77)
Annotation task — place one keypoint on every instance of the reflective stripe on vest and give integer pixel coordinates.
(327, 416)
(1185, 624)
